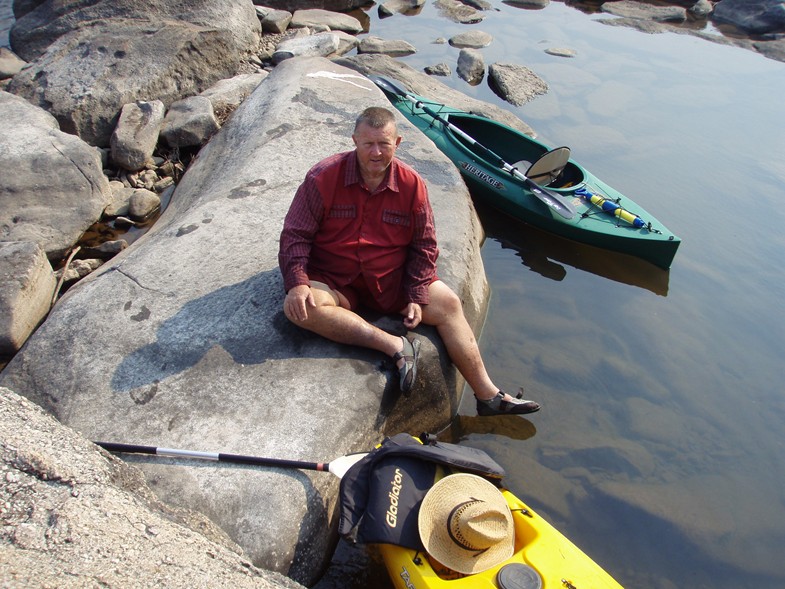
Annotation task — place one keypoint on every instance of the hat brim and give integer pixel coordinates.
(435, 513)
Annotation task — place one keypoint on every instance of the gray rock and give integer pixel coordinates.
(189, 122)
(27, 285)
(105, 250)
(226, 95)
(516, 84)
(471, 40)
(10, 63)
(391, 47)
(458, 12)
(529, 3)
(701, 8)
(757, 17)
(200, 355)
(136, 135)
(391, 7)
(86, 76)
(143, 204)
(332, 5)
(561, 52)
(319, 45)
(471, 66)
(334, 21)
(346, 42)
(35, 30)
(440, 69)
(275, 21)
(420, 83)
(72, 514)
(58, 188)
(78, 269)
(640, 10)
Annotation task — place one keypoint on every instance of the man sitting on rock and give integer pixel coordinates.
(360, 232)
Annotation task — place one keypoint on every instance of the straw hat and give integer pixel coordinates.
(465, 524)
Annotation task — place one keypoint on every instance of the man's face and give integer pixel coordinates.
(375, 148)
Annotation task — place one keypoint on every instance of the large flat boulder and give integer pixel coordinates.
(57, 189)
(76, 517)
(180, 341)
(89, 58)
(42, 22)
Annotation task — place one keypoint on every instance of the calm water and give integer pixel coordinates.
(659, 449)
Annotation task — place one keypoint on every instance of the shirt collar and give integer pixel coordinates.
(352, 175)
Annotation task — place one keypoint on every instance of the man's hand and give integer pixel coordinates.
(298, 299)
(412, 315)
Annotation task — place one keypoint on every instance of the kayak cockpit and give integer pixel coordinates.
(517, 150)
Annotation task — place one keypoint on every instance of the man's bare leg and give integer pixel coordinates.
(445, 312)
(333, 320)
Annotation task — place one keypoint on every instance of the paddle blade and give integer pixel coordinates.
(389, 86)
(555, 204)
(341, 465)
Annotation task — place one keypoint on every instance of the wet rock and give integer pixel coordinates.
(458, 11)
(27, 285)
(471, 66)
(701, 9)
(106, 250)
(136, 134)
(751, 16)
(391, 47)
(391, 7)
(561, 52)
(189, 122)
(471, 40)
(640, 10)
(529, 3)
(440, 69)
(516, 84)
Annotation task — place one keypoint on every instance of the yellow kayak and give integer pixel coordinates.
(542, 558)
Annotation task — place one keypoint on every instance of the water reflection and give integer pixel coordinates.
(548, 254)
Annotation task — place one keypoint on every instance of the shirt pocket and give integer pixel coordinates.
(339, 211)
(393, 217)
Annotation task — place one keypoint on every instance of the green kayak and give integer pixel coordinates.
(526, 179)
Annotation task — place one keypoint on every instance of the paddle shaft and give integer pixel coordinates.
(546, 196)
(214, 456)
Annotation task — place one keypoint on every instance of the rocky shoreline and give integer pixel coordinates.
(106, 111)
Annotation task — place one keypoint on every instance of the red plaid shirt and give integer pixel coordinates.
(339, 231)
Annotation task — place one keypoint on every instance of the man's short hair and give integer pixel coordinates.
(375, 117)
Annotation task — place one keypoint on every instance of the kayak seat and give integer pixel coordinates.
(548, 167)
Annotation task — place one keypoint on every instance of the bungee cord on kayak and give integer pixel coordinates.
(613, 208)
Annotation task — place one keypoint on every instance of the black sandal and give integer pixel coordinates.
(498, 406)
(408, 372)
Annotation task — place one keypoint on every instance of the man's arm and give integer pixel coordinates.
(423, 251)
(299, 228)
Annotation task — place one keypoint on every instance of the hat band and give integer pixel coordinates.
(458, 538)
